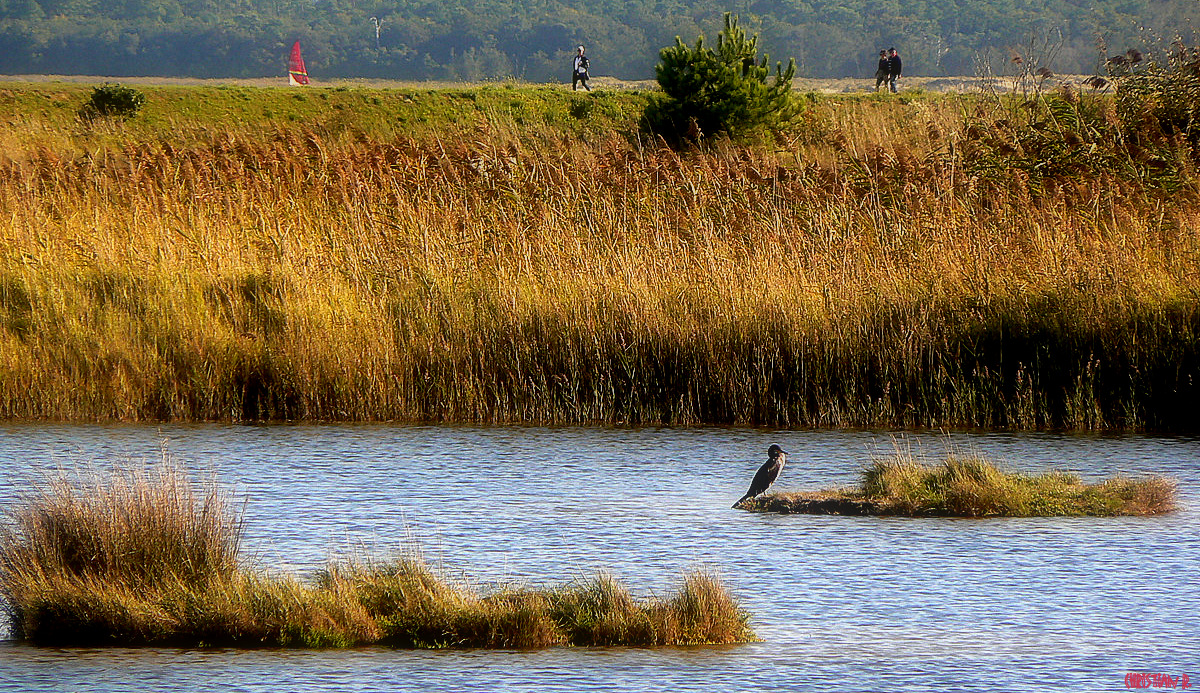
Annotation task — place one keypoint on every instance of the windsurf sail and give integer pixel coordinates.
(297, 75)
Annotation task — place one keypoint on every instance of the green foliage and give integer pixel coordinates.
(723, 91)
(113, 100)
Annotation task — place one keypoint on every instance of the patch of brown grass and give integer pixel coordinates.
(151, 558)
(970, 486)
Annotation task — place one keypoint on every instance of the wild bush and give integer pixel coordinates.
(113, 101)
(1158, 98)
(707, 92)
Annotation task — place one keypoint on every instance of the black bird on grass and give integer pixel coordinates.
(766, 474)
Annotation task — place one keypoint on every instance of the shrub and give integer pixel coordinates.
(113, 100)
(707, 92)
(1158, 97)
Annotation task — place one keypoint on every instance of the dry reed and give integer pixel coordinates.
(888, 268)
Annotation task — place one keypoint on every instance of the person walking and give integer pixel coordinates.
(893, 69)
(881, 72)
(579, 70)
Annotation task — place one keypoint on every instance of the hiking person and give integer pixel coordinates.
(893, 69)
(579, 70)
(881, 72)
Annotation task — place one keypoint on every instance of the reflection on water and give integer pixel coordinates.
(842, 603)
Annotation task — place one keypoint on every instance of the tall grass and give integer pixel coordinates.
(152, 558)
(522, 258)
(971, 486)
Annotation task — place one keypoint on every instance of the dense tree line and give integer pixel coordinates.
(533, 39)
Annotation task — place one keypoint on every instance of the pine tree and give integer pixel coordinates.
(709, 92)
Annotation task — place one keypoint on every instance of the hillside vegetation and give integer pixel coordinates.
(527, 254)
(533, 40)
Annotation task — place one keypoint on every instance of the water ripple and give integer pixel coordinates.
(843, 603)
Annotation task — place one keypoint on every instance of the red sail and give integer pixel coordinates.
(296, 72)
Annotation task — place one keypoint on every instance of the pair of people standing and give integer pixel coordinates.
(888, 71)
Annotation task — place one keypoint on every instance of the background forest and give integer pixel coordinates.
(533, 39)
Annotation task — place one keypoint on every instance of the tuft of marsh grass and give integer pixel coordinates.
(971, 486)
(151, 558)
(136, 528)
(600, 611)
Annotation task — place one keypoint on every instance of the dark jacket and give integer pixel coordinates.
(883, 68)
(894, 66)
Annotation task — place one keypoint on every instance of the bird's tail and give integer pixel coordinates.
(742, 500)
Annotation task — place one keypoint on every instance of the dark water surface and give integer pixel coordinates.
(842, 603)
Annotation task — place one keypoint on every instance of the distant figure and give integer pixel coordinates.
(766, 474)
(579, 70)
(881, 72)
(893, 69)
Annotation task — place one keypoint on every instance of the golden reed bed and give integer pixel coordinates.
(522, 254)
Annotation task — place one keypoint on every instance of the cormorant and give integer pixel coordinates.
(766, 474)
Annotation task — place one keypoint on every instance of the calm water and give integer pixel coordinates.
(842, 603)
